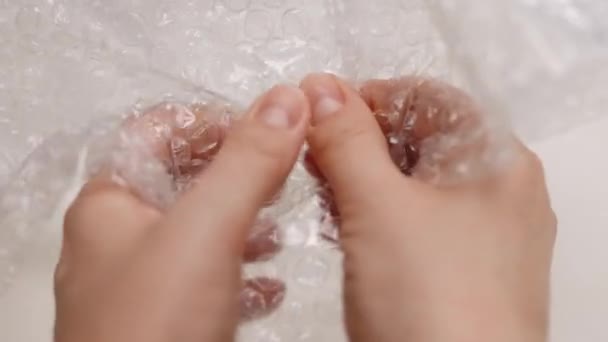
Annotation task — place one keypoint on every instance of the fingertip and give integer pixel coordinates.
(346, 141)
(282, 107)
(334, 102)
(329, 95)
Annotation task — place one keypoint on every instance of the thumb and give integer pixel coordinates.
(346, 141)
(257, 156)
(200, 242)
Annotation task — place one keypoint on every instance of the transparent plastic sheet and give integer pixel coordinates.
(544, 63)
(82, 67)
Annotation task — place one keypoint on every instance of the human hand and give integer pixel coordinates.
(426, 263)
(130, 271)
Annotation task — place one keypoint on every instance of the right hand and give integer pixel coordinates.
(428, 263)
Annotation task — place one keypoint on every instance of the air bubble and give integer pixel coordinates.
(387, 22)
(259, 333)
(258, 25)
(61, 15)
(165, 15)
(237, 5)
(311, 271)
(273, 3)
(29, 20)
(294, 23)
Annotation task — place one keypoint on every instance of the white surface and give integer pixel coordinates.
(576, 172)
(576, 175)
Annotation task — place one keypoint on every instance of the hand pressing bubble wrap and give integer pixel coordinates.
(181, 71)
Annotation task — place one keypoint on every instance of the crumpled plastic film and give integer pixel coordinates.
(146, 90)
(544, 63)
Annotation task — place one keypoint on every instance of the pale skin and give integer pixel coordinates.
(425, 263)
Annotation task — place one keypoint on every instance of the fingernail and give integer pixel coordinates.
(282, 107)
(325, 95)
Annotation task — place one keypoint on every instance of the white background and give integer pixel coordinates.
(577, 168)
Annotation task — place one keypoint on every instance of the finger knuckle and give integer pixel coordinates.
(78, 217)
(73, 215)
(337, 137)
(60, 274)
(530, 167)
(535, 164)
(269, 148)
(90, 206)
(553, 223)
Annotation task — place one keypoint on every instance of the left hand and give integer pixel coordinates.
(132, 272)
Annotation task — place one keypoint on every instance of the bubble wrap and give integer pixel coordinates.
(71, 72)
(541, 62)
